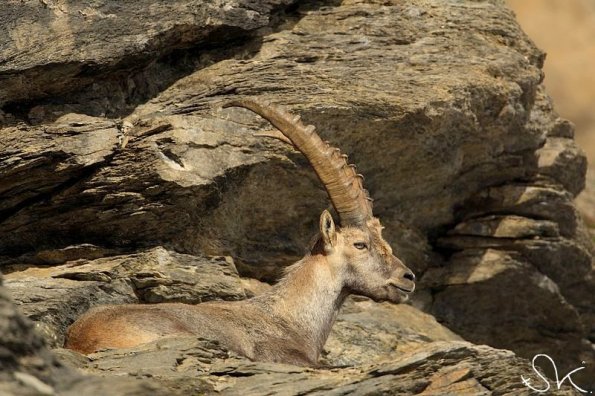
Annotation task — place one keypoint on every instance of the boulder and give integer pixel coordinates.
(123, 180)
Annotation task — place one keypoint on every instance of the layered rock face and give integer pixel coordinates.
(123, 180)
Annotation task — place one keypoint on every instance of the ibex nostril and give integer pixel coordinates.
(410, 276)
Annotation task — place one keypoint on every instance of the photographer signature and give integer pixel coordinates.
(559, 382)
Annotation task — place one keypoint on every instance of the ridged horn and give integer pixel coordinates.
(341, 180)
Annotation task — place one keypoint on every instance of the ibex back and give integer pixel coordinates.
(292, 321)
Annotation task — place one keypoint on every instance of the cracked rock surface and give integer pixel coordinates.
(439, 368)
(122, 180)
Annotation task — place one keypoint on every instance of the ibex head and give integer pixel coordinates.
(356, 248)
(366, 260)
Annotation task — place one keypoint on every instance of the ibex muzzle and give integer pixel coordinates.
(292, 321)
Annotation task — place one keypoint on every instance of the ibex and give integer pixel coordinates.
(291, 322)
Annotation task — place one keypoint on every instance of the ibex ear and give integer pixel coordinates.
(328, 232)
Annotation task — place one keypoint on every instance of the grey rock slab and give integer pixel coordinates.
(512, 302)
(440, 113)
(54, 297)
(366, 331)
(37, 162)
(456, 366)
(52, 47)
(28, 367)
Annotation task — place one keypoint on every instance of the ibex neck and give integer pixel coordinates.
(309, 298)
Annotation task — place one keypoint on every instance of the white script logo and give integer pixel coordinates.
(559, 382)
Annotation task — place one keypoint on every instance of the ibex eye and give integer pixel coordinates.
(360, 245)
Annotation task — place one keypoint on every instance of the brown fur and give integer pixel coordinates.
(288, 324)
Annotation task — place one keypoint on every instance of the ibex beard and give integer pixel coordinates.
(291, 322)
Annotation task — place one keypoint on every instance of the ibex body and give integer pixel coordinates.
(292, 321)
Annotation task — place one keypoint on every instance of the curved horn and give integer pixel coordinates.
(342, 182)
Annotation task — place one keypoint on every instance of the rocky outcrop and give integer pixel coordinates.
(105, 41)
(527, 237)
(570, 58)
(440, 368)
(153, 276)
(27, 367)
(122, 179)
(25, 363)
(412, 353)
